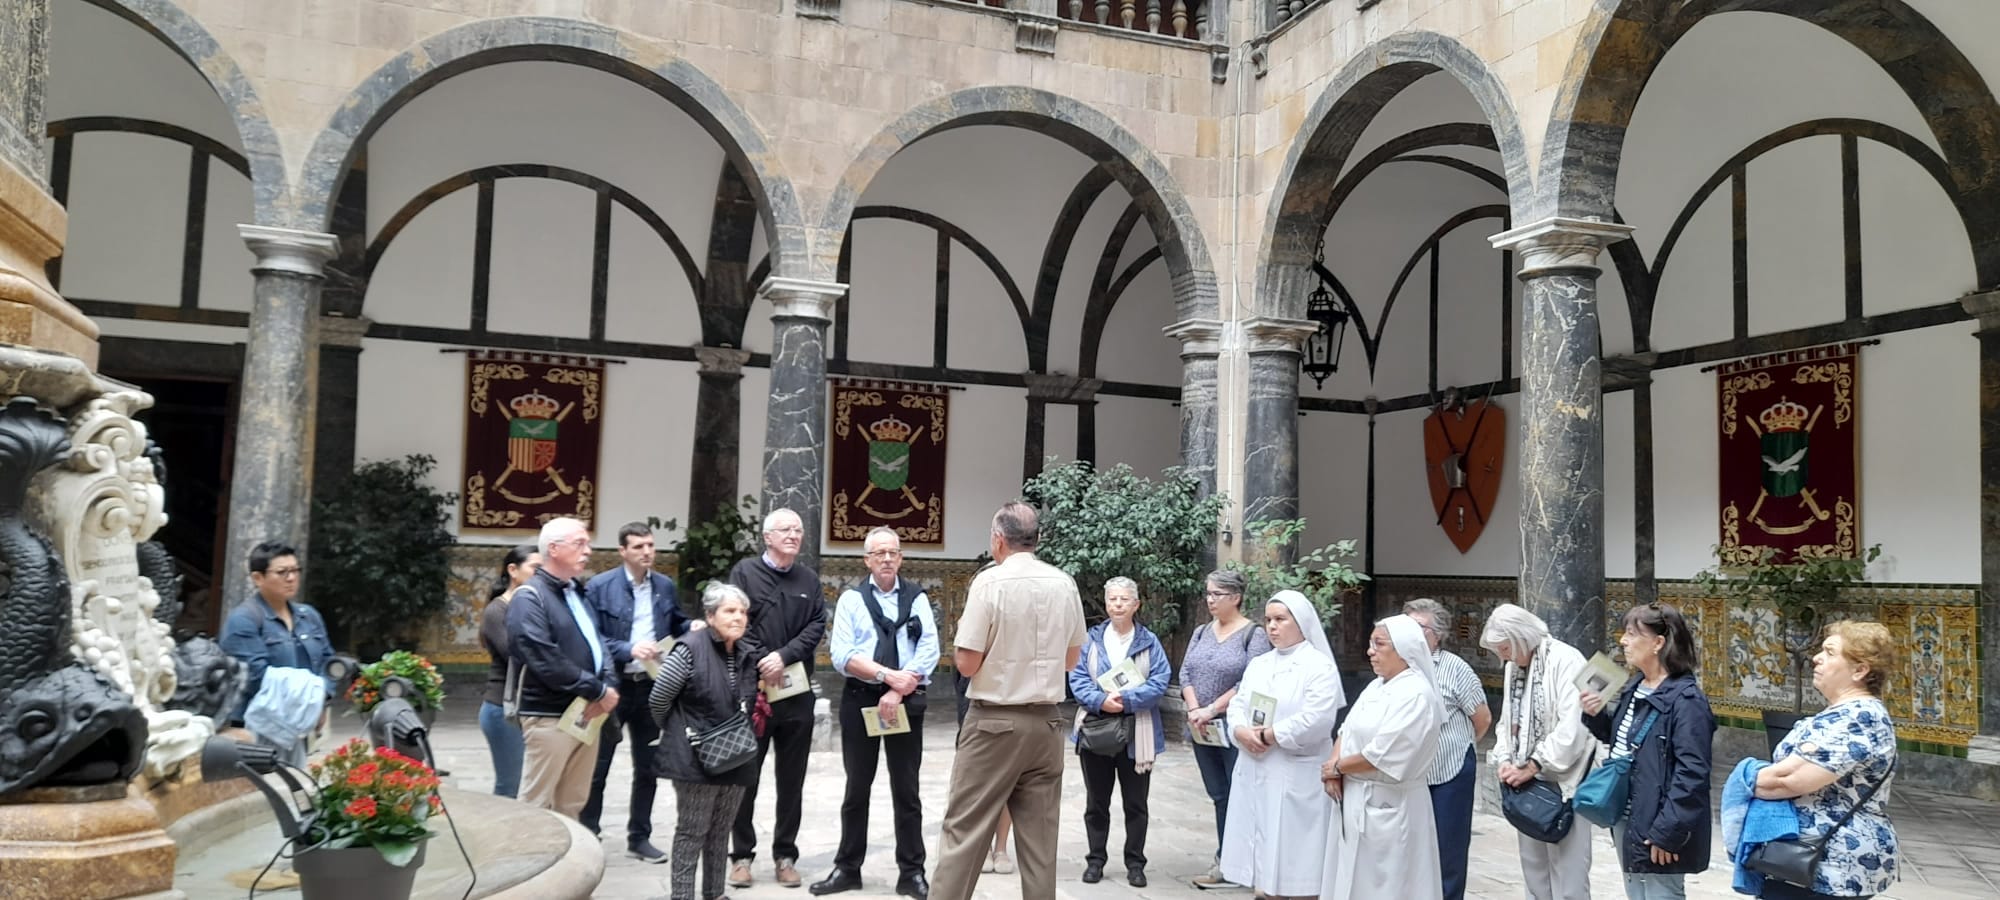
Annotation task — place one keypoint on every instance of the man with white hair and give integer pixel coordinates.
(1453, 772)
(787, 620)
(553, 639)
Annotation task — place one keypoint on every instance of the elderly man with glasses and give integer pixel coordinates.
(554, 640)
(1466, 718)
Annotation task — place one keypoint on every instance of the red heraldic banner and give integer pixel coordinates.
(1790, 470)
(885, 465)
(533, 425)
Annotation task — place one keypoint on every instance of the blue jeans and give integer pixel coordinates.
(1217, 765)
(503, 738)
(1451, 804)
(1644, 885)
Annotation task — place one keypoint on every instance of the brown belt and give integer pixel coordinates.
(988, 704)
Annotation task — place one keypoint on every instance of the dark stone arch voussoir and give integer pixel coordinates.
(1306, 185)
(1621, 48)
(1073, 122)
(165, 20)
(647, 63)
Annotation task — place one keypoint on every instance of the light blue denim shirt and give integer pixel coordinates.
(854, 631)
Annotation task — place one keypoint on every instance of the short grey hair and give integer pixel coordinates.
(557, 529)
(1424, 606)
(881, 530)
(1228, 580)
(1121, 583)
(771, 518)
(719, 592)
(1017, 524)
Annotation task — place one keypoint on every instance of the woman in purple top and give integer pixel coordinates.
(1216, 656)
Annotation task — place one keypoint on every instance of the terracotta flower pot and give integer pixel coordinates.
(354, 873)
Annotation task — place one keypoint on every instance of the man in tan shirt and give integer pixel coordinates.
(1020, 635)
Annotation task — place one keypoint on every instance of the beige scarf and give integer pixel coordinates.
(1144, 748)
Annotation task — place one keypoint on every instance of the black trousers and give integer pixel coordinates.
(636, 718)
(859, 756)
(1098, 773)
(790, 732)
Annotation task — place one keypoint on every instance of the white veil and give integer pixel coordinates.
(1307, 615)
(1408, 638)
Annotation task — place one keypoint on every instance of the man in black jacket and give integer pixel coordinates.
(787, 620)
(554, 638)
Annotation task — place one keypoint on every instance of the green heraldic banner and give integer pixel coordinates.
(885, 465)
(533, 424)
(1790, 455)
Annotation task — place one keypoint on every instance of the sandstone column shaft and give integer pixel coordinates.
(1201, 347)
(795, 429)
(271, 487)
(1562, 425)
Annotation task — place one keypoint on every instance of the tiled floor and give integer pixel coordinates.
(1951, 844)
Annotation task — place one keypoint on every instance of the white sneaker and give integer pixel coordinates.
(1001, 864)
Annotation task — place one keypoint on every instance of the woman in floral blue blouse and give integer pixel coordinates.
(1830, 760)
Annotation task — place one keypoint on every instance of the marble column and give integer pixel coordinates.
(338, 400)
(718, 432)
(795, 429)
(1986, 306)
(1562, 424)
(1271, 427)
(271, 487)
(1201, 347)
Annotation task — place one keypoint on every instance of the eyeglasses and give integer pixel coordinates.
(292, 572)
(581, 540)
(1221, 595)
(789, 529)
(885, 554)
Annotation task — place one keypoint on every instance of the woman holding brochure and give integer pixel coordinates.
(1118, 681)
(1216, 656)
(1282, 718)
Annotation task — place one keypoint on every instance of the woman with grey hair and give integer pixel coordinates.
(1542, 738)
(1105, 687)
(1213, 664)
(706, 679)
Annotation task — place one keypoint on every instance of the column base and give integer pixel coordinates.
(95, 843)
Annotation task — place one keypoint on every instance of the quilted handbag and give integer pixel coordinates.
(1602, 796)
(724, 747)
(1796, 861)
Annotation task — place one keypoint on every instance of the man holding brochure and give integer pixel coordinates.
(567, 678)
(885, 639)
(787, 620)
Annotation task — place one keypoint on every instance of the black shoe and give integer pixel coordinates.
(840, 880)
(1135, 877)
(644, 851)
(914, 886)
(1092, 873)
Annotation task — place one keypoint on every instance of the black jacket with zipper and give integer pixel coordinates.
(1670, 774)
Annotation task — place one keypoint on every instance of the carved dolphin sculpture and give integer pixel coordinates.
(61, 723)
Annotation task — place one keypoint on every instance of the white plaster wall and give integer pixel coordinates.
(1333, 480)
(425, 275)
(540, 281)
(1793, 215)
(891, 308)
(982, 464)
(1469, 293)
(1134, 348)
(226, 280)
(171, 331)
(1692, 304)
(1408, 538)
(100, 65)
(1140, 432)
(1912, 252)
(646, 287)
(128, 210)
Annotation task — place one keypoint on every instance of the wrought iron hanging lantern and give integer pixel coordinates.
(1322, 349)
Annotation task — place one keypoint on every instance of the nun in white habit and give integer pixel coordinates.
(1283, 714)
(1385, 845)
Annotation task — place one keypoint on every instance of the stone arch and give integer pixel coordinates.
(1301, 202)
(1074, 123)
(647, 63)
(165, 20)
(1622, 47)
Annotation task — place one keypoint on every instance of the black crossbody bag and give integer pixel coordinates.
(1796, 861)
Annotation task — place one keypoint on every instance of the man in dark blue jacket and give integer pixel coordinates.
(554, 639)
(636, 610)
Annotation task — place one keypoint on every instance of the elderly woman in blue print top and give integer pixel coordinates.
(1112, 642)
(1830, 760)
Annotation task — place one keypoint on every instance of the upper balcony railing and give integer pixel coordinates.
(1202, 22)
(1172, 18)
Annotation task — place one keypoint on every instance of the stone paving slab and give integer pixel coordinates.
(1952, 844)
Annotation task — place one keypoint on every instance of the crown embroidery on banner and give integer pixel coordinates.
(892, 430)
(534, 405)
(1784, 415)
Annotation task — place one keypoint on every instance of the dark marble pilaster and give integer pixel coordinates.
(1986, 306)
(271, 487)
(1271, 427)
(1635, 373)
(718, 432)
(1562, 413)
(795, 430)
(337, 402)
(1068, 390)
(1201, 345)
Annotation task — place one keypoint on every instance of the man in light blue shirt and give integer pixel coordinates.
(885, 640)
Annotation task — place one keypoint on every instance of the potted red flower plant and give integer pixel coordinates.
(369, 823)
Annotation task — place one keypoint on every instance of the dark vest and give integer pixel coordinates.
(885, 629)
(713, 694)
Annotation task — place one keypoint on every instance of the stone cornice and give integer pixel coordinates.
(1062, 388)
(343, 331)
(1559, 242)
(801, 299)
(289, 250)
(1197, 336)
(721, 360)
(1984, 306)
(1271, 334)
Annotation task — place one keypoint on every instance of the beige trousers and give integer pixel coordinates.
(1009, 757)
(555, 768)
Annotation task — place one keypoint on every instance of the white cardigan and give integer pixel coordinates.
(1564, 753)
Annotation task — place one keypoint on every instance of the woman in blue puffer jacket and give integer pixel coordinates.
(1137, 702)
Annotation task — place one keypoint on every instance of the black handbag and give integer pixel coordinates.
(1538, 810)
(1105, 735)
(724, 747)
(1795, 861)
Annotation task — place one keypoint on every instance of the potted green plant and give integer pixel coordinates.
(711, 546)
(370, 820)
(366, 691)
(1799, 589)
(1097, 524)
(1321, 574)
(380, 554)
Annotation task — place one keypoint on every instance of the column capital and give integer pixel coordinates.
(1559, 242)
(1623, 372)
(1984, 306)
(721, 360)
(1061, 388)
(1272, 334)
(801, 299)
(1199, 336)
(289, 250)
(343, 331)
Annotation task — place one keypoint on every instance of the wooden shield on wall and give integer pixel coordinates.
(1464, 445)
